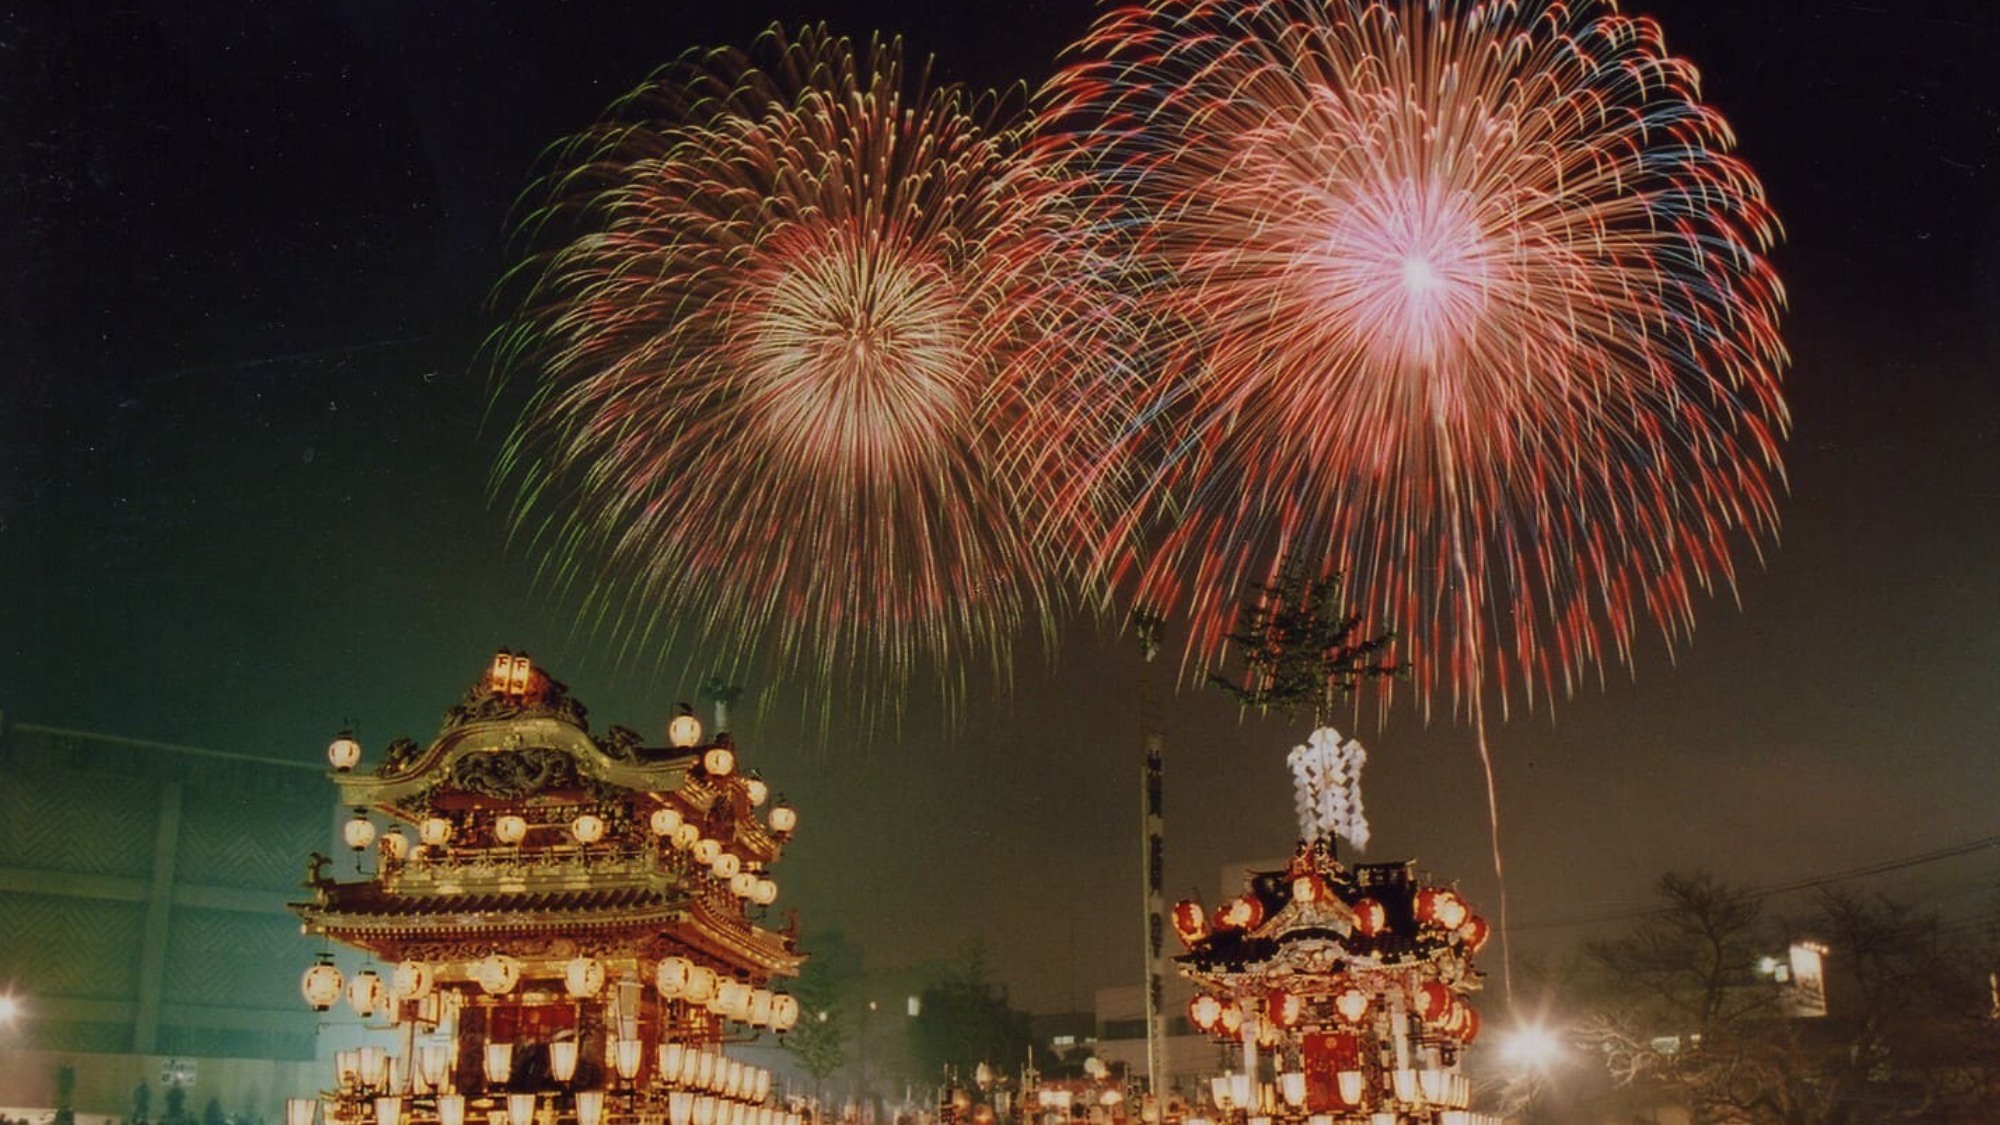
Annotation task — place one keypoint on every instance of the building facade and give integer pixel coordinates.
(143, 931)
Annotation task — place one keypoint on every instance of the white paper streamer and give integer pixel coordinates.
(1326, 787)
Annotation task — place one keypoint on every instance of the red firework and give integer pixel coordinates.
(802, 349)
(1466, 301)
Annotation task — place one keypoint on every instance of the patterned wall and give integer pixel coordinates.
(223, 959)
(238, 836)
(87, 823)
(81, 821)
(72, 947)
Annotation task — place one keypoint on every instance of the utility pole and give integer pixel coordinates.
(1153, 854)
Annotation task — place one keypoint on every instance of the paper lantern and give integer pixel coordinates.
(510, 829)
(497, 973)
(1293, 1087)
(1284, 1008)
(719, 762)
(664, 821)
(701, 985)
(684, 731)
(366, 993)
(1349, 1083)
(1190, 923)
(1370, 917)
(1244, 912)
(784, 819)
(359, 831)
(671, 977)
(587, 828)
(784, 1011)
(583, 977)
(1440, 907)
(412, 980)
(1433, 1001)
(1474, 933)
(322, 985)
(344, 753)
(1351, 1004)
(1231, 1020)
(435, 832)
(562, 1059)
(1205, 1012)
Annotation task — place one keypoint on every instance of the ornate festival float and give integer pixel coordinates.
(1346, 988)
(564, 928)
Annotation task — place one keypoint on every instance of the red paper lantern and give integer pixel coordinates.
(1284, 1008)
(1426, 905)
(1245, 912)
(1454, 1019)
(1190, 923)
(1470, 1030)
(1438, 906)
(1309, 888)
(1205, 1011)
(1231, 1021)
(1370, 917)
(1433, 1001)
(1474, 933)
(1351, 1004)
(1451, 910)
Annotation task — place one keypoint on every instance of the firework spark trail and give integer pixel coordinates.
(806, 342)
(1466, 301)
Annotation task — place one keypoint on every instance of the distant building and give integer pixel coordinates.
(143, 930)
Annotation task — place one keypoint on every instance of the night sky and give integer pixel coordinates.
(243, 462)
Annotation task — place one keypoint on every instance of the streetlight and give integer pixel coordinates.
(1531, 1047)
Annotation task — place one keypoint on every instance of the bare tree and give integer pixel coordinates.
(1687, 1008)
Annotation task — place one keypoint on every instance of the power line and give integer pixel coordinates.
(1758, 894)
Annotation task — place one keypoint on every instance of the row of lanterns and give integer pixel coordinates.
(374, 1070)
(1439, 910)
(678, 978)
(511, 829)
(1434, 1002)
(1412, 1087)
(497, 974)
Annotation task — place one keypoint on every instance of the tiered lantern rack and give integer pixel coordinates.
(564, 929)
(1346, 991)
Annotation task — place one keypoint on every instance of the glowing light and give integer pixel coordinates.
(1467, 302)
(800, 323)
(1531, 1047)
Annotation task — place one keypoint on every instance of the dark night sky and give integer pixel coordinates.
(242, 466)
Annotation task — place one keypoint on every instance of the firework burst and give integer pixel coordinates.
(805, 347)
(1466, 301)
